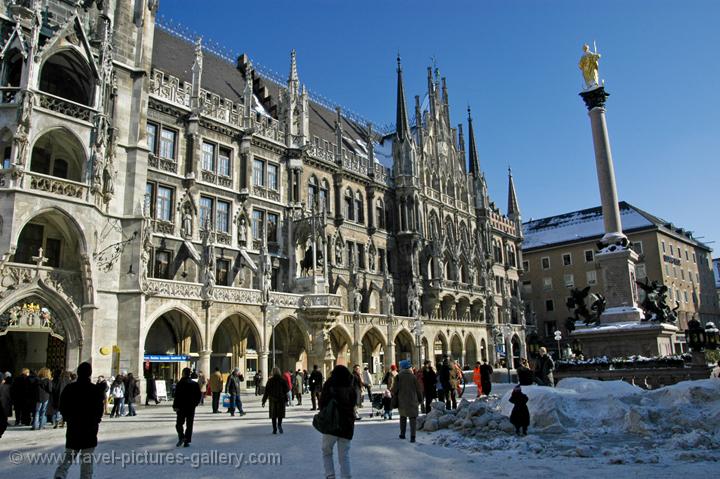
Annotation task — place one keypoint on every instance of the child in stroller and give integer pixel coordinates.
(387, 404)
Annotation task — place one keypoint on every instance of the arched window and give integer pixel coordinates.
(59, 154)
(12, 68)
(450, 188)
(380, 213)
(359, 210)
(312, 196)
(325, 195)
(68, 76)
(349, 206)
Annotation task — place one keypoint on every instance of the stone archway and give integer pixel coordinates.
(67, 75)
(235, 344)
(373, 349)
(471, 356)
(290, 346)
(173, 341)
(341, 344)
(516, 350)
(440, 347)
(404, 346)
(456, 347)
(58, 153)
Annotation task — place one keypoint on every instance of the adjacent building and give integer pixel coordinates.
(559, 254)
(163, 205)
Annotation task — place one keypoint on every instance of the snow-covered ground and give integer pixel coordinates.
(605, 429)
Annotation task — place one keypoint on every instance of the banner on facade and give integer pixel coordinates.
(166, 358)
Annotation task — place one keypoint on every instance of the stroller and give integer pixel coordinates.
(377, 405)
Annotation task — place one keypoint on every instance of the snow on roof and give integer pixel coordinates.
(578, 225)
(257, 106)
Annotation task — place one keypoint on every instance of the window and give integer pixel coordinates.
(663, 246)
(672, 251)
(569, 280)
(549, 305)
(667, 269)
(312, 197)
(591, 277)
(638, 247)
(687, 257)
(161, 268)
(222, 220)
(640, 272)
(272, 227)
(258, 218)
(272, 176)
(526, 265)
(567, 259)
(258, 173)
(208, 156)
(682, 274)
(206, 212)
(381, 260)
(589, 256)
(324, 195)
(359, 207)
(547, 284)
(349, 211)
(694, 259)
(163, 203)
(151, 130)
(685, 296)
(527, 287)
(380, 213)
(149, 196)
(222, 272)
(545, 262)
(224, 161)
(167, 143)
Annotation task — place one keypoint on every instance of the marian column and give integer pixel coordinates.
(615, 258)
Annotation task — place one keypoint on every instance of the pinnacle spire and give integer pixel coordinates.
(402, 126)
(293, 79)
(513, 211)
(472, 148)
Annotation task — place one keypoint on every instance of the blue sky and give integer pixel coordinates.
(515, 63)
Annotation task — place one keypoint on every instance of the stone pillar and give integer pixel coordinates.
(204, 362)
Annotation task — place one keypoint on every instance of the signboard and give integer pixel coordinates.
(160, 388)
(166, 358)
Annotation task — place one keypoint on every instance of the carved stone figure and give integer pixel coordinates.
(267, 275)
(357, 300)
(589, 64)
(655, 303)
(187, 222)
(577, 303)
(108, 181)
(338, 253)
(21, 144)
(242, 231)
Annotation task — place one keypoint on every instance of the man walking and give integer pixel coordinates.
(315, 383)
(233, 390)
(544, 369)
(81, 406)
(367, 379)
(187, 398)
(257, 380)
(216, 387)
(486, 372)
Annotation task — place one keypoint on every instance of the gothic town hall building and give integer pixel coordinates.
(161, 205)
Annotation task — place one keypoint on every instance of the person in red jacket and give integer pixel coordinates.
(288, 379)
(477, 379)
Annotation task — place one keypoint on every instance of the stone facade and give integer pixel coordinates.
(159, 199)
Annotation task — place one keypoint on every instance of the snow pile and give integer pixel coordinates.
(588, 418)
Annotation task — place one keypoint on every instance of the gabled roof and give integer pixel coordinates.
(586, 225)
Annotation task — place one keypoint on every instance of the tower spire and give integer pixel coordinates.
(402, 126)
(472, 149)
(293, 79)
(513, 211)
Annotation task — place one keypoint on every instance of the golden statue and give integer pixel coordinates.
(589, 66)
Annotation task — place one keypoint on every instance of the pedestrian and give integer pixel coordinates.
(81, 406)
(486, 372)
(306, 381)
(43, 389)
(257, 381)
(151, 390)
(202, 382)
(429, 384)
(288, 378)
(5, 401)
(60, 381)
(216, 388)
(387, 404)
(117, 391)
(526, 377)
(358, 385)
(367, 380)
(338, 393)
(477, 379)
(105, 388)
(457, 379)
(276, 391)
(298, 386)
(544, 367)
(315, 382)
(21, 392)
(448, 390)
(407, 394)
(418, 372)
(187, 398)
(123, 378)
(520, 415)
(131, 394)
(233, 389)
(390, 376)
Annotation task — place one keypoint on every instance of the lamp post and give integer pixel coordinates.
(712, 336)
(558, 337)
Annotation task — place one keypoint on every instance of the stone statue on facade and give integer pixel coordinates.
(389, 290)
(147, 247)
(589, 64)
(338, 253)
(357, 301)
(242, 232)
(21, 144)
(187, 222)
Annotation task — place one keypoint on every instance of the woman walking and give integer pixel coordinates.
(276, 391)
(117, 391)
(338, 392)
(132, 391)
(408, 394)
(43, 390)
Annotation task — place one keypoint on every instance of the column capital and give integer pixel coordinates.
(595, 98)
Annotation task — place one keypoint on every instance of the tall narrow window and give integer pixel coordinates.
(324, 195)
(272, 227)
(222, 270)
(208, 156)
(149, 197)
(222, 222)
(359, 210)
(167, 143)
(162, 265)
(206, 209)
(272, 176)
(257, 224)
(224, 162)
(163, 204)
(151, 130)
(380, 213)
(258, 173)
(312, 194)
(349, 212)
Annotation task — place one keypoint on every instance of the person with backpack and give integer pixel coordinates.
(429, 384)
(336, 419)
(187, 398)
(276, 391)
(117, 391)
(315, 383)
(408, 395)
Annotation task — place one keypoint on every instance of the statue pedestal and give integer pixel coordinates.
(626, 338)
(618, 272)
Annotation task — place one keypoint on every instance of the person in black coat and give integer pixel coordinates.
(151, 390)
(429, 384)
(340, 388)
(60, 380)
(187, 398)
(132, 391)
(526, 377)
(520, 415)
(447, 390)
(486, 372)
(315, 382)
(276, 391)
(544, 367)
(81, 405)
(42, 389)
